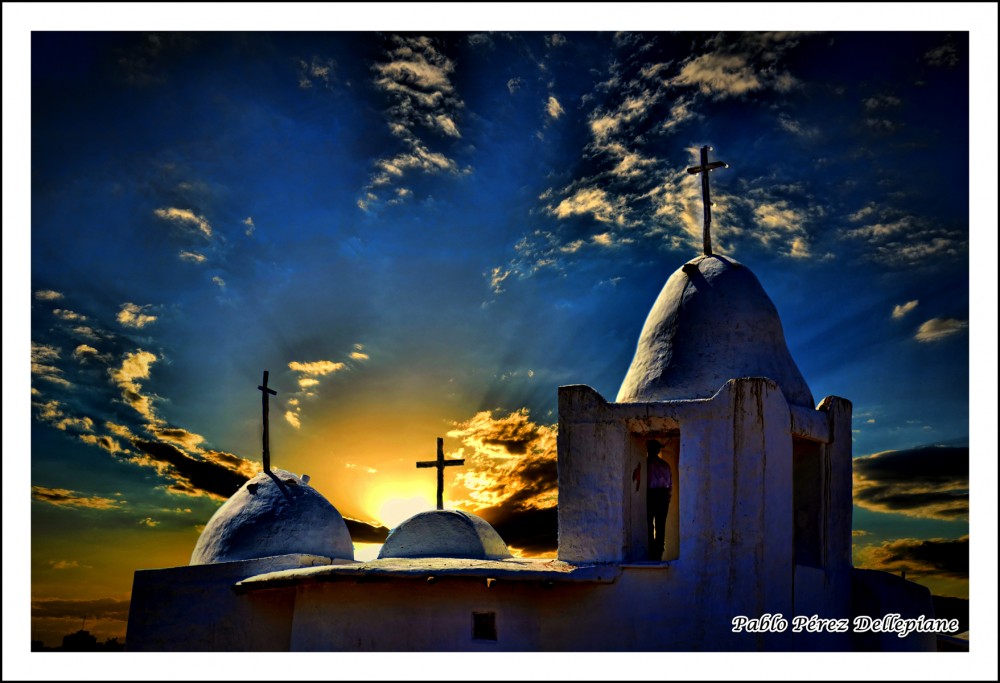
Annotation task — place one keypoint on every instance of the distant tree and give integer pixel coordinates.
(113, 645)
(81, 641)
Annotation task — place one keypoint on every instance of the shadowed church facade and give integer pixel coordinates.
(759, 524)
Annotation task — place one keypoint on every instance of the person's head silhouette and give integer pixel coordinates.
(653, 448)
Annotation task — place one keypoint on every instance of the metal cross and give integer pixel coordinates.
(704, 169)
(263, 399)
(440, 464)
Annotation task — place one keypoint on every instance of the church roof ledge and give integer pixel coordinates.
(514, 569)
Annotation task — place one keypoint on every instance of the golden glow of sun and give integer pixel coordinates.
(397, 508)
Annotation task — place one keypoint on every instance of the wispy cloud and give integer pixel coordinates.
(720, 75)
(738, 65)
(250, 226)
(319, 71)
(48, 295)
(219, 282)
(82, 424)
(75, 610)
(882, 101)
(86, 332)
(134, 315)
(186, 219)
(943, 55)
(135, 366)
(316, 368)
(192, 256)
(681, 111)
(308, 381)
(930, 482)
(901, 310)
(416, 77)
(796, 127)
(780, 225)
(593, 201)
(86, 352)
(176, 435)
(42, 358)
(553, 108)
(902, 240)
(937, 329)
(148, 521)
(71, 316)
(67, 564)
(68, 498)
(103, 441)
(555, 40)
(497, 277)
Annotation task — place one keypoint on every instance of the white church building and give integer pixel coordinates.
(759, 524)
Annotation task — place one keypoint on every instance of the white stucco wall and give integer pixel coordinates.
(194, 608)
(733, 486)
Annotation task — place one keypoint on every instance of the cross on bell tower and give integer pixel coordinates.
(704, 170)
(440, 463)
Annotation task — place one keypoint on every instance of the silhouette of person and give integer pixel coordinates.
(659, 485)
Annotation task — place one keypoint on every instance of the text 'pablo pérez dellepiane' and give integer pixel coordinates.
(890, 623)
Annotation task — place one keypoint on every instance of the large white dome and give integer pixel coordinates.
(262, 519)
(445, 533)
(711, 323)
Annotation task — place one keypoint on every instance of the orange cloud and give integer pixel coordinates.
(931, 482)
(67, 498)
(133, 315)
(186, 219)
(135, 366)
(181, 437)
(900, 310)
(939, 328)
(69, 315)
(48, 295)
(510, 461)
(320, 367)
(934, 557)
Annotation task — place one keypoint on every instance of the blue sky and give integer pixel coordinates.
(424, 234)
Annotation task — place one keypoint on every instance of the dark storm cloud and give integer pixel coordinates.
(188, 475)
(532, 531)
(363, 532)
(512, 477)
(936, 557)
(930, 482)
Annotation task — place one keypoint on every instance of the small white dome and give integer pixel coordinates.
(712, 322)
(263, 519)
(445, 533)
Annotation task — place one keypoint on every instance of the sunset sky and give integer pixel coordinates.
(424, 234)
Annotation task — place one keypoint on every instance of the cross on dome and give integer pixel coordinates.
(440, 463)
(263, 388)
